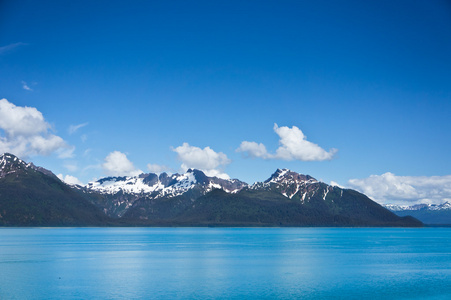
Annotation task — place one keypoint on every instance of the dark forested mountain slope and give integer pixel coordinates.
(32, 196)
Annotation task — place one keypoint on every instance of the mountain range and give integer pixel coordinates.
(433, 214)
(34, 196)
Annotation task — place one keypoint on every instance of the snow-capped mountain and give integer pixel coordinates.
(34, 196)
(432, 207)
(294, 186)
(290, 184)
(164, 185)
(434, 214)
(10, 164)
(118, 194)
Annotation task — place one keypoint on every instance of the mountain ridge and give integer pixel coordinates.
(34, 196)
(433, 214)
(422, 206)
(286, 198)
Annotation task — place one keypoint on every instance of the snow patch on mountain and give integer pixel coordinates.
(444, 206)
(155, 186)
(113, 185)
(10, 164)
(289, 183)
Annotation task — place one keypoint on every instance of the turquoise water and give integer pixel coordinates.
(225, 263)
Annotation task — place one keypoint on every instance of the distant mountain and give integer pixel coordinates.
(433, 207)
(33, 196)
(434, 214)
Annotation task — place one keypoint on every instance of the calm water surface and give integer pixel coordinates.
(225, 263)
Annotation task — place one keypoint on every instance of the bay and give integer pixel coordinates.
(225, 263)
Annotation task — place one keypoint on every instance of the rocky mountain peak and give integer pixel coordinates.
(8, 159)
(9, 164)
(292, 185)
(286, 176)
(164, 185)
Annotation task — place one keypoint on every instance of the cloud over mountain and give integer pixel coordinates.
(69, 179)
(155, 168)
(117, 164)
(205, 159)
(27, 133)
(293, 145)
(391, 189)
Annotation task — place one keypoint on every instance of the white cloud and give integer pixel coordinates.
(67, 152)
(87, 152)
(69, 179)
(293, 146)
(27, 133)
(154, 168)
(216, 173)
(73, 128)
(92, 167)
(254, 149)
(71, 167)
(391, 189)
(21, 121)
(333, 183)
(117, 164)
(205, 159)
(26, 87)
(10, 47)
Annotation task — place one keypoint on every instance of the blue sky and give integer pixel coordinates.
(124, 84)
